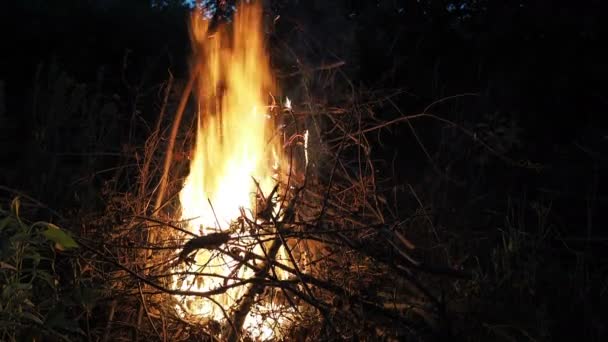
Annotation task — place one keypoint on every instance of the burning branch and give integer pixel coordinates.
(209, 242)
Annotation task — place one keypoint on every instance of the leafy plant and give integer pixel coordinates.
(30, 297)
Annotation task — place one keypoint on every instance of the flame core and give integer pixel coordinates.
(234, 142)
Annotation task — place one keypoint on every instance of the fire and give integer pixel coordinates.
(235, 143)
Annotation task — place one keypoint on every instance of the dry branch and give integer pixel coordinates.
(209, 241)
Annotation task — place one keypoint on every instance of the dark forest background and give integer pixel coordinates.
(81, 83)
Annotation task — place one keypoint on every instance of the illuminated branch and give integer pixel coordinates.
(247, 299)
(209, 241)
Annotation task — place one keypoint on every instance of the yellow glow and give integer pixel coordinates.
(234, 142)
(287, 103)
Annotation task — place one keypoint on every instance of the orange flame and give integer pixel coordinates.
(233, 132)
(233, 144)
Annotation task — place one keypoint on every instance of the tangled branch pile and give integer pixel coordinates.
(351, 269)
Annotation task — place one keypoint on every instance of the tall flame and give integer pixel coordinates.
(232, 145)
(233, 129)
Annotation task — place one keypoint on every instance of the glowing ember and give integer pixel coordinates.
(234, 142)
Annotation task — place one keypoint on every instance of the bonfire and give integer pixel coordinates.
(275, 232)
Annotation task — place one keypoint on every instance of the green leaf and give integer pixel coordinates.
(35, 257)
(60, 237)
(23, 286)
(20, 237)
(5, 222)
